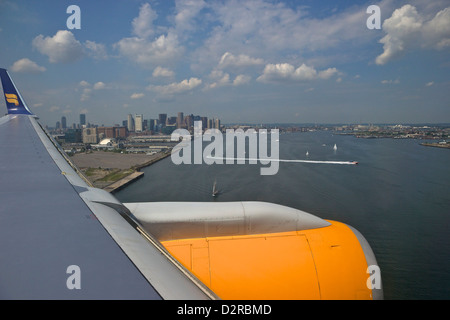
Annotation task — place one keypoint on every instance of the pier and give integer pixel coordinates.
(124, 181)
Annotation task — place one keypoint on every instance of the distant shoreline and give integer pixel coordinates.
(436, 145)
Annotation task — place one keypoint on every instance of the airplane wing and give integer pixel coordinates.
(62, 239)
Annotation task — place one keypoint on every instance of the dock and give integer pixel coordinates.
(124, 181)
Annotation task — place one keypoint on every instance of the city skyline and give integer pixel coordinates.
(256, 61)
(131, 124)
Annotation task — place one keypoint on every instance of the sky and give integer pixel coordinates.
(252, 61)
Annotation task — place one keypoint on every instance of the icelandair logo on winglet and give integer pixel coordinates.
(12, 98)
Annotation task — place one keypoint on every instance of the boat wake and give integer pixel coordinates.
(285, 160)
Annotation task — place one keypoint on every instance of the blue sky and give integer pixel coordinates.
(253, 61)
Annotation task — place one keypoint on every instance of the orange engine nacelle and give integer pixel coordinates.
(323, 263)
(259, 250)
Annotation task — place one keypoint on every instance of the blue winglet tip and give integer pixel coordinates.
(14, 101)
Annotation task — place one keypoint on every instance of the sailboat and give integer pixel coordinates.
(307, 153)
(335, 147)
(214, 190)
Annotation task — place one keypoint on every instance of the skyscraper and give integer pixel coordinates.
(189, 121)
(130, 123)
(63, 122)
(139, 125)
(151, 124)
(204, 122)
(180, 120)
(162, 119)
(82, 119)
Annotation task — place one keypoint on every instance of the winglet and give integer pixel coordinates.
(14, 101)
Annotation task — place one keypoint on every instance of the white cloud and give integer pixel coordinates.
(328, 73)
(27, 66)
(390, 81)
(241, 60)
(137, 96)
(163, 72)
(288, 73)
(86, 94)
(241, 79)
(437, 31)
(407, 30)
(220, 79)
(61, 48)
(429, 84)
(99, 85)
(88, 89)
(164, 49)
(176, 87)
(277, 72)
(96, 50)
(143, 24)
(270, 29)
(186, 11)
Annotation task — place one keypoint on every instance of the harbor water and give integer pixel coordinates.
(397, 197)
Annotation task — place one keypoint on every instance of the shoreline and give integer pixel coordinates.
(113, 171)
(137, 174)
(436, 145)
(119, 184)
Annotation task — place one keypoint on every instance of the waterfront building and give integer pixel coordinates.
(139, 123)
(130, 123)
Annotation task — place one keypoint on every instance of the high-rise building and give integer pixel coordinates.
(82, 119)
(162, 119)
(151, 124)
(204, 122)
(130, 123)
(171, 121)
(189, 121)
(63, 122)
(139, 123)
(180, 120)
(217, 123)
